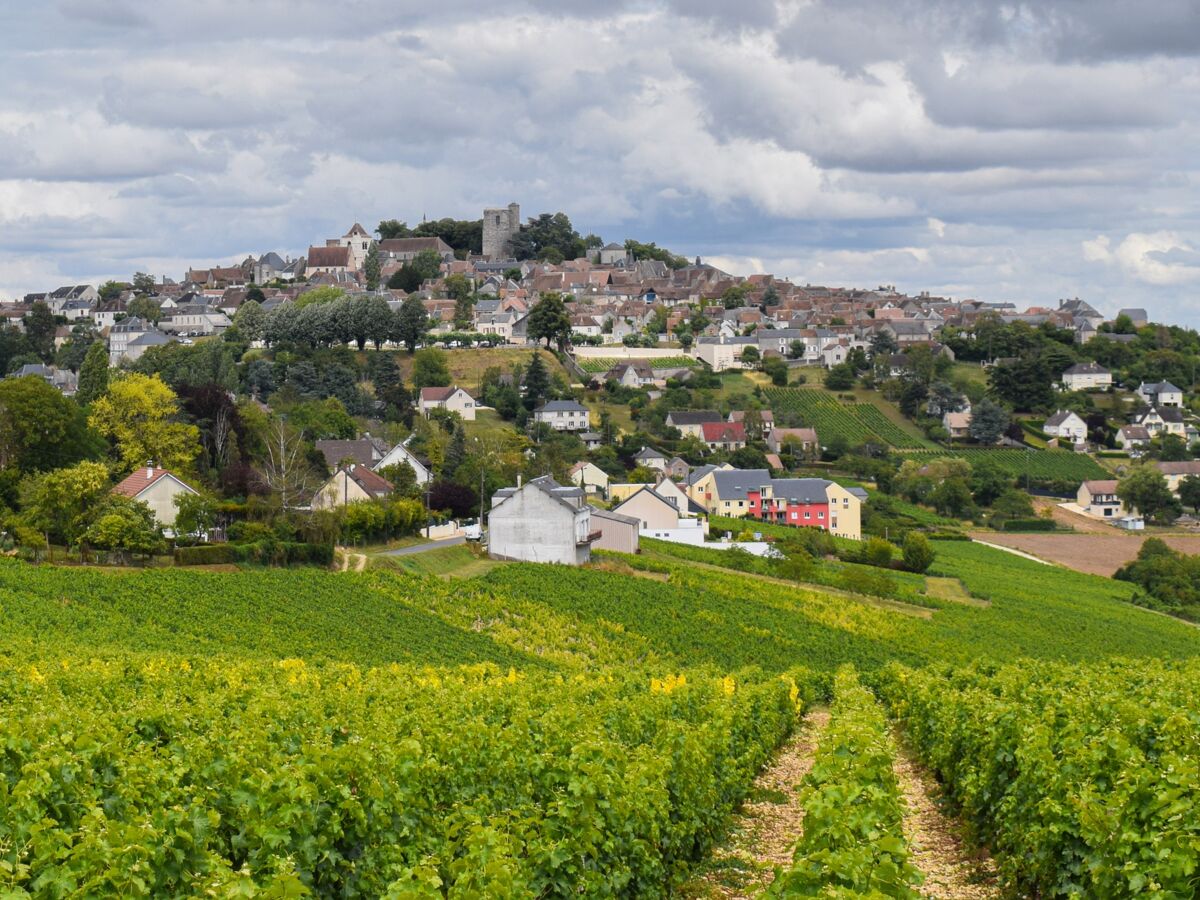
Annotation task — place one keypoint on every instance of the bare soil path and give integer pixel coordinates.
(766, 828)
(952, 870)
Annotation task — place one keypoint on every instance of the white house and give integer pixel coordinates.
(1099, 498)
(651, 459)
(401, 454)
(661, 517)
(590, 477)
(541, 521)
(563, 415)
(157, 488)
(453, 398)
(1132, 436)
(1164, 420)
(1087, 376)
(723, 352)
(1160, 393)
(1066, 426)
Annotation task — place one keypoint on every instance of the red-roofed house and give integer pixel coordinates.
(351, 484)
(157, 488)
(453, 398)
(332, 260)
(723, 435)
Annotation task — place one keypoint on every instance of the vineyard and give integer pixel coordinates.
(1039, 465)
(597, 365)
(543, 731)
(856, 423)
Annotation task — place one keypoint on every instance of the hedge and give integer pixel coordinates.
(1029, 525)
(270, 553)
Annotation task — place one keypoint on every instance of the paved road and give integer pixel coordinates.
(422, 548)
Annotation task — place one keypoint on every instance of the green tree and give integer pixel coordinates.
(40, 326)
(1189, 492)
(40, 428)
(988, 422)
(461, 290)
(537, 382)
(93, 375)
(371, 267)
(138, 414)
(1145, 490)
(145, 308)
(390, 229)
(195, 514)
(250, 320)
(110, 290)
(750, 356)
(57, 502)
(918, 552)
(840, 377)
(143, 283)
(124, 526)
(411, 323)
(430, 369)
(548, 236)
(549, 321)
(638, 250)
(777, 370)
(456, 452)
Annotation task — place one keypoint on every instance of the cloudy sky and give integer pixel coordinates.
(1005, 151)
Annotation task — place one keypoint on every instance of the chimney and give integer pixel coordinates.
(150, 469)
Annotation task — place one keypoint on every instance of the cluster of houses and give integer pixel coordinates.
(609, 295)
(1098, 498)
(544, 521)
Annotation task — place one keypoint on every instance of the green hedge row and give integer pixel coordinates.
(1029, 525)
(268, 553)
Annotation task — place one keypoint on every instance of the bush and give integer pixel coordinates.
(1029, 525)
(918, 554)
(877, 552)
(267, 552)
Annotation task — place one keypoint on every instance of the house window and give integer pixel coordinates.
(807, 515)
(795, 515)
(820, 515)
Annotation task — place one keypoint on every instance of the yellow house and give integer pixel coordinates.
(845, 511)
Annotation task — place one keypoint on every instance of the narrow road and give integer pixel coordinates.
(424, 548)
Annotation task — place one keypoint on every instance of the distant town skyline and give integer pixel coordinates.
(971, 149)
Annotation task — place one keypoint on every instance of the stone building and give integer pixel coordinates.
(499, 226)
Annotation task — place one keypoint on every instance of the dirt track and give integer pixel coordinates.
(1099, 554)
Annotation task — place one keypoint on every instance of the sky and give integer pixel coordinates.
(1002, 151)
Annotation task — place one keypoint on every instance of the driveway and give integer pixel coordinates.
(423, 548)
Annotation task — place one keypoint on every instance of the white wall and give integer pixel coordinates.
(534, 527)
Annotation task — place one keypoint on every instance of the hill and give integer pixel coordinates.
(532, 731)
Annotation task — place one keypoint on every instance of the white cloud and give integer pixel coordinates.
(1160, 258)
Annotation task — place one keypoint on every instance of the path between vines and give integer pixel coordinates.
(952, 871)
(765, 829)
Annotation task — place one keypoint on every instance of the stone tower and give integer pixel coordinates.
(499, 226)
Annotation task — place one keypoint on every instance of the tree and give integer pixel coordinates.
(750, 355)
(145, 308)
(638, 250)
(537, 381)
(57, 502)
(456, 452)
(411, 323)
(250, 320)
(1189, 492)
(143, 283)
(952, 497)
(110, 290)
(465, 236)
(461, 290)
(918, 552)
(195, 514)
(93, 375)
(840, 377)
(796, 350)
(550, 321)
(124, 526)
(988, 422)
(882, 344)
(286, 472)
(39, 330)
(548, 236)
(1145, 489)
(40, 428)
(988, 481)
(390, 229)
(425, 265)
(138, 416)
(777, 369)
(430, 369)
(371, 267)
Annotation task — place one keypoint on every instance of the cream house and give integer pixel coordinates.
(453, 399)
(590, 477)
(157, 488)
(351, 483)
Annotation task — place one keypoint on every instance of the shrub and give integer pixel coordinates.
(918, 553)
(1029, 525)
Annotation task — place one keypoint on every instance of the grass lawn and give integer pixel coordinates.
(467, 364)
(460, 561)
(488, 424)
